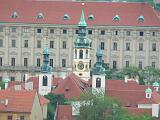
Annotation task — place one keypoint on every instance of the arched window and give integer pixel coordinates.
(86, 53)
(81, 54)
(45, 80)
(75, 53)
(98, 82)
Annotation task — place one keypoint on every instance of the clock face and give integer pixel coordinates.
(80, 65)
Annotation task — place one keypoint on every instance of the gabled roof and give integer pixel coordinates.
(72, 86)
(64, 112)
(18, 101)
(54, 11)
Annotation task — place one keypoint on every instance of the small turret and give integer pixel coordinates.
(148, 92)
(156, 86)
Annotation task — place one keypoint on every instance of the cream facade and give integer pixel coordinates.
(21, 47)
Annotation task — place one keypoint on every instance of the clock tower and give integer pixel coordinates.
(81, 60)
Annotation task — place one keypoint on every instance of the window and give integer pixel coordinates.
(25, 30)
(40, 16)
(98, 82)
(127, 63)
(127, 46)
(140, 65)
(116, 18)
(102, 32)
(38, 62)
(86, 53)
(75, 53)
(1, 62)
(51, 44)
(13, 43)
(90, 64)
(22, 117)
(1, 29)
(64, 31)
(128, 33)
(153, 46)
(12, 78)
(38, 43)
(91, 17)
(52, 31)
(141, 33)
(76, 31)
(116, 32)
(25, 62)
(13, 61)
(114, 64)
(140, 46)
(63, 62)
(13, 29)
(26, 43)
(153, 64)
(153, 34)
(64, 44)
(102, 46)
(10, 117)
(51, 62)
(14, 15)
(115, 46)
(81, 54)
(39, 30)
(89, 32)
(66, 17)
(45, 80)
(1, 43)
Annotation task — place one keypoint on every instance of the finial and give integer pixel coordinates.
(82, 3)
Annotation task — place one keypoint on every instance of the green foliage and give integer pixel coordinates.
(105, 108)
(54, 100)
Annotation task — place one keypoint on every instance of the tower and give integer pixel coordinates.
(81, 60)
(45, 77)
(98, 77)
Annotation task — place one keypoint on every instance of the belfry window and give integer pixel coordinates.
(45, 80)
(98, 82)
(81, 54)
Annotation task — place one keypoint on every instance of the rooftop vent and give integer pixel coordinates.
(40, 16)
(66, 17)
(91, 17)
(140, 18)
(116, 18)
(14, 15)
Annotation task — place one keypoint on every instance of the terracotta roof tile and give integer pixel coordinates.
(43, 100)
(64, 112)
(54, 11)
(138, 111)
(72, 86)
(56, 81)
(18, 101)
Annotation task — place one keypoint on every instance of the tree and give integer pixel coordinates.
(54, 100)
(95, 107)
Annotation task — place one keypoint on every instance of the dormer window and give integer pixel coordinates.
(14, 15)
(141, 18)
(116, 18)
(66, 17)
(40, 16)
(91, 17)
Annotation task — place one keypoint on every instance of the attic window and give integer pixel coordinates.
(14, 15)
(141, 18)
(66, 17)
(91, 17)
(116, 18)
(40, 16)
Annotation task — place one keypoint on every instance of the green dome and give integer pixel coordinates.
(6, 80)
(46, 51)
(148, 90)
(155, 84)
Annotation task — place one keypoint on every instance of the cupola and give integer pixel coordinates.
(148, 92)
(156, 86)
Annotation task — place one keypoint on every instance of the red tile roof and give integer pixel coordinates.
(54, 11)
(18, 101)
(130, 93)
(64, 112)
(138, 111)
(43, 100)
(72, 86)
(56, 81)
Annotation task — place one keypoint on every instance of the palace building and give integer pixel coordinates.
(127, 33)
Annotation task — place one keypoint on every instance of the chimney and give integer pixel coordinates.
(6, 102)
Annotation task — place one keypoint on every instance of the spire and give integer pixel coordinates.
(46, 68)
(98, 67)
(82, 21)
(82, 41)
